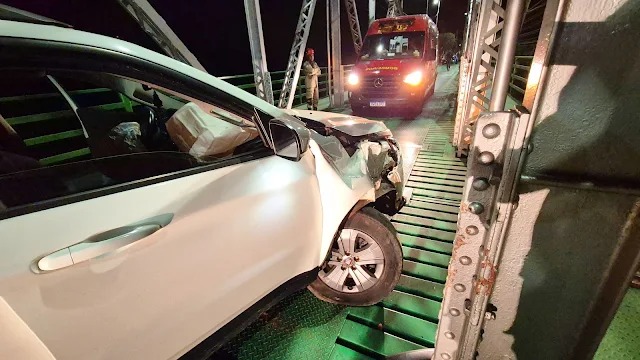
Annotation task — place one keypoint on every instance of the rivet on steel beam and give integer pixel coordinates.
(486, 157)
(454, 312)
(480, 184)
(471, 230)
(465, 260)
(445, 356)
(490, 131)
(459, 287)
(449, 335)
(476, 208)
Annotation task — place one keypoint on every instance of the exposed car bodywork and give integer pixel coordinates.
(357, 147)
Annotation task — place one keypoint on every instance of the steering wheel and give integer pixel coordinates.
(150, 123)
(156, 137)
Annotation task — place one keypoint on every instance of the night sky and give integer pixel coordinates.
(217, 34)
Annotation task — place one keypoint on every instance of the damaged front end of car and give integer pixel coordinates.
(357, 147)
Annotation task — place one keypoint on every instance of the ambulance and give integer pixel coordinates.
(396, 67)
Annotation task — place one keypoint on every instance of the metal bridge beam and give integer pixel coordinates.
(337, 75)
(372, 11)
(395, 8)
(504, 64)
(354, 24)
(261, 74)
(296, 56)
(466, 59)
(154, 25)
(482, 81)
(479, 305)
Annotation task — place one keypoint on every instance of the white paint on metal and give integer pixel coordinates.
(337, 73)
(17, 340)
(210, 213)
(372, 11)
(261, 75)
(337, 197)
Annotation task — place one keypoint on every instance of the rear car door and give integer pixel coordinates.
(140, 254)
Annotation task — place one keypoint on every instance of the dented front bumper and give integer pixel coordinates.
(357, 147)
(377, 158)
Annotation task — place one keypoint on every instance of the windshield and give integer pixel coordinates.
(393, 46)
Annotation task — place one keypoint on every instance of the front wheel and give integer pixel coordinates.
(364, 264)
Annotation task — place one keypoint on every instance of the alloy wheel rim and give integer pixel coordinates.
(356, 262)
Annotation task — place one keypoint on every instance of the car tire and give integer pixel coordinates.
(369, 225)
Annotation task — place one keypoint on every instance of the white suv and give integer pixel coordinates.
(147, 207)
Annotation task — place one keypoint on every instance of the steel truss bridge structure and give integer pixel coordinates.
(523, 231)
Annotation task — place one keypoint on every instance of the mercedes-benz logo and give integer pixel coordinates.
(377, 82)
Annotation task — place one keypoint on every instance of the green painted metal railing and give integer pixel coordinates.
(245, 82)
(37, 140)
(519, 75)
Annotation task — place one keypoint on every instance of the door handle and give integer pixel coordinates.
(90, 249)
(100, 244)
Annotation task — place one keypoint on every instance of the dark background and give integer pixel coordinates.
(216, 30)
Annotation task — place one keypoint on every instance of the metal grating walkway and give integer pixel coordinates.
(408, 318)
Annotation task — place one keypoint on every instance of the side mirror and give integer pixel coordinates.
(290, 139)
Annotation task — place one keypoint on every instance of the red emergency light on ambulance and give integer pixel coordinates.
(397, 65)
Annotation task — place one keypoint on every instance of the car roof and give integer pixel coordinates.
(32, 31)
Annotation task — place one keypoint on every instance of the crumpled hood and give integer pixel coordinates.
(348, 124)
(357, 147)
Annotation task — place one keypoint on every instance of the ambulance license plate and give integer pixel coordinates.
(377, 103)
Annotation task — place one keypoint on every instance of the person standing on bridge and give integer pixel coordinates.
(446, 60)
(311, 71)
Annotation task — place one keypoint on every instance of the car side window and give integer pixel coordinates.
(66, 133)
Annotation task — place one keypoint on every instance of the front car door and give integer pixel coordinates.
(200, 241)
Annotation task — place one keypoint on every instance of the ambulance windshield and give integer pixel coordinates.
(393, 46)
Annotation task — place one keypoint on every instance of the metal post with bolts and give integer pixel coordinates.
(494, 43)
